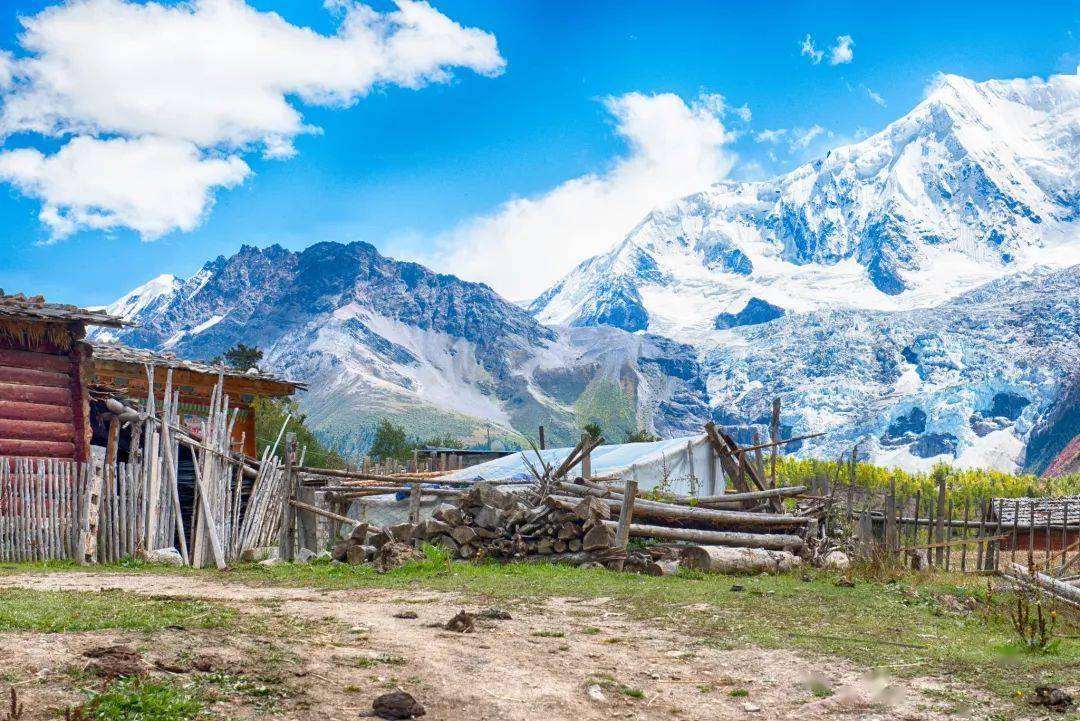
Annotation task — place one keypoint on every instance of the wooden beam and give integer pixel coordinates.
(34, 377)
(37, 361)
(17, 410)
(35, 394)
(45, 449)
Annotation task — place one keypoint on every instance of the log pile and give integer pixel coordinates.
(502, 525)
(578, 527)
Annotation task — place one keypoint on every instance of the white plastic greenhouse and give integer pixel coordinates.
(688, 465)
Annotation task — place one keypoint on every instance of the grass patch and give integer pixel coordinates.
(384, 659)
(221, 685)
(860, 624)
(738, 693)
(548, 634)
(72, 611)
(141, 700)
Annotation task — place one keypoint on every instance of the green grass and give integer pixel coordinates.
(142, 700)
(70, 611)
(861, 624)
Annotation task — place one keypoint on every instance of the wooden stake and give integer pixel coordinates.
(626, 512)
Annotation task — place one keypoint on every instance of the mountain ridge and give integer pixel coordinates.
(914, 292)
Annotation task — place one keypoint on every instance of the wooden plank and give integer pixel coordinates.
(35, 394)
(19, 410)
(36, 449)
(34, 377)
(38, 361)
(626, 513)
(36, 430)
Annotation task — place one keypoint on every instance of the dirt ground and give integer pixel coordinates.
(538, 665)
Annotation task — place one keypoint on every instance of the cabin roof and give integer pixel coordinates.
(34, 308)
(120, 353)
(1019, 511)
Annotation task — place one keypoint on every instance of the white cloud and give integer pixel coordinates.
(839, 54)
(218, 74)
(876, 97)
(810, 51)
(771, 136)
(528, 243)
(842, 52)
(149, 184)
(802, 137)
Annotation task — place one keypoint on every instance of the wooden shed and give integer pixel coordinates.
(44, 373)
(124, 368)
(1039, 523)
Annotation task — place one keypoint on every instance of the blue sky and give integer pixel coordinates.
(411, 169)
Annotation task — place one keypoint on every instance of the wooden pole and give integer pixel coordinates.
(208, 520)
(586, 458)
(414, 503)
(288, 511)
(774, 436)
(626, 512)
(939, 529)
(772, 541)
(543, 445)
(338, 518)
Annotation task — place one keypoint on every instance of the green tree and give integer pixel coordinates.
(270, 414)
(593, 429)
(443, 441)
(242, 357)
(640, 436)
(390, 442)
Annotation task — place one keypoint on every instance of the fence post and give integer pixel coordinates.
(891, 543)
(586, 460)
(626, 513)
(939, 534)
(288, 511)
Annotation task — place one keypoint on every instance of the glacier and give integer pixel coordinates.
(914, 293)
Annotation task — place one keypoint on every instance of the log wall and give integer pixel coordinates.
(43, 403)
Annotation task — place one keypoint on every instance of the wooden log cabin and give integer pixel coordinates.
(124, 368)
(1040, 524)
(44, 374)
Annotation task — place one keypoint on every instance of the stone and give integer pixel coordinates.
(397, 705)
(448, 514)
(304, 555)
(340, 551)
(495, 613)
(837, 561)
(164, 556)
(595, 693)
(463, 534)
(463, 622)
(255, 555)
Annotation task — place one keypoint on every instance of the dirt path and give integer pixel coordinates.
(514, 670)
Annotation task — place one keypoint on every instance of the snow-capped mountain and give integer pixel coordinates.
(374, 338)
(916, 292)
(836, 285)
(979, 181)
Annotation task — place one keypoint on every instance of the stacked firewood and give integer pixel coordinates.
(503, 525)
(576, 526)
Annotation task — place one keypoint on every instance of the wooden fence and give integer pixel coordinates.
(975, 535)
(54, 509)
